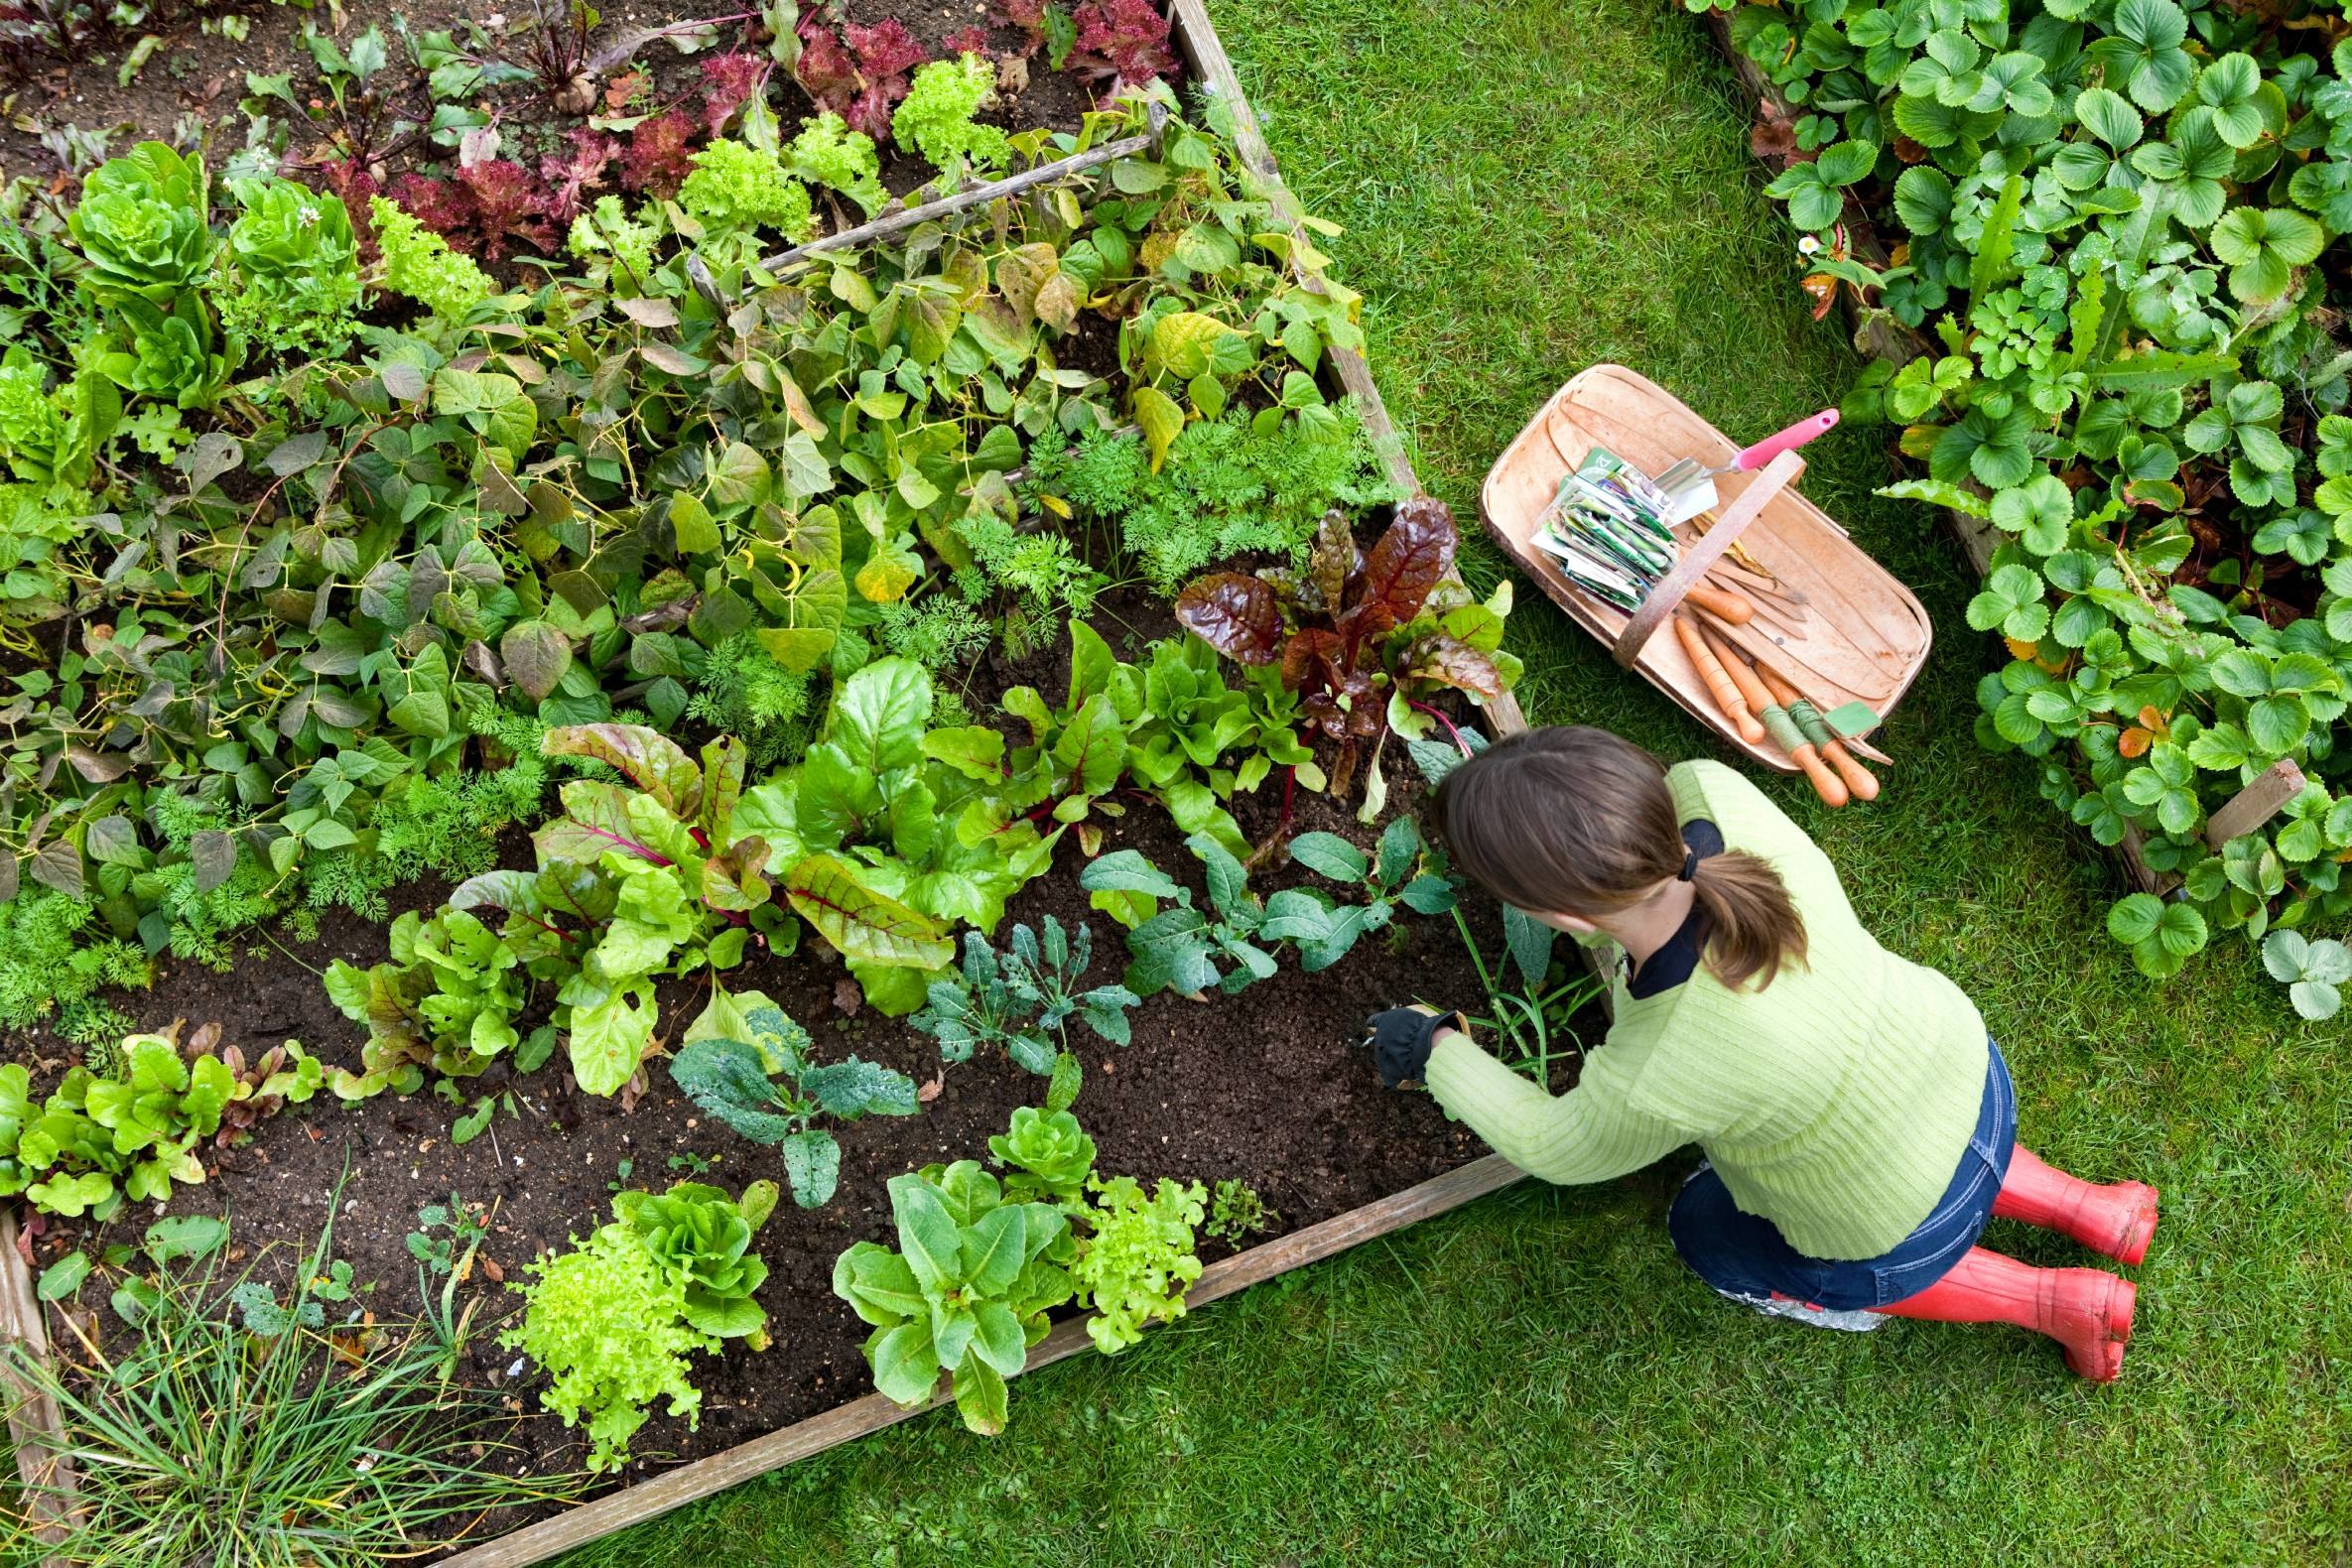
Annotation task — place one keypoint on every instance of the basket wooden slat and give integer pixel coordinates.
(1867, 635)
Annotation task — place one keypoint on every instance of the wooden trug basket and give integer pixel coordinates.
(1867, 635)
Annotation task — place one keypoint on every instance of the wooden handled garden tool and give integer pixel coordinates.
(1777, 723)
(1728, 696)
(1690, 486)
(1857, 779)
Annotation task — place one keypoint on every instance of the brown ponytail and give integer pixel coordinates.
(1574, 821)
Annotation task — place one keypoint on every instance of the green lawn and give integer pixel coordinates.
(1529, 187)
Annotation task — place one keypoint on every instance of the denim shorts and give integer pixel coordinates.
(1745, 1255)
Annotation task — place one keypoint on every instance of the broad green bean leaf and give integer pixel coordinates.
(1162, 419)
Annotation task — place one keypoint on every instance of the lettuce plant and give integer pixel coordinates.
(171, 356)
(1022, 1002)
(888, 833)
(142, 226)
(292, 268)
(606, 1322)
(936, 117)
(1137, 1256)
(739, 186)
(1051, 1155)
(827, 152)
(747, 1064)
(420, 264)
(701, 1239)
(966, 1293)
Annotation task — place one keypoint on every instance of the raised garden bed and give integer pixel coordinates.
(1266, 1090)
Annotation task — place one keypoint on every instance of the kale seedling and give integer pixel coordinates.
(1180, 949)
(1024, 1001)
(747, 1064)
(1325, 928)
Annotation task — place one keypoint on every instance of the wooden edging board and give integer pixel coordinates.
(34, 1425)
(1883, 337)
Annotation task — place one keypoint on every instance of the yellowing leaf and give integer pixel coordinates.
(1162, 420)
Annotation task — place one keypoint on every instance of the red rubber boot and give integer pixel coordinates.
(2086, 1310)
(2116, 1218)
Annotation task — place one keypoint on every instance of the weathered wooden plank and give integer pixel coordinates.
(651, 1499)
(34, 1430)
(2257, 803)
(979, 195)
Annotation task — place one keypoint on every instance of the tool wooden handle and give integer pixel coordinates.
(1743, 676)
(1826, 784)
(1857, 779)
(1731, 608)
(1727, 694)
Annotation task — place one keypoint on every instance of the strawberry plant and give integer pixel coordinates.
(2133, 370)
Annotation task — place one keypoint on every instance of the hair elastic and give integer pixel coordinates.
(1690, 867)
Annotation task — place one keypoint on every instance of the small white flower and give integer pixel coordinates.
(1807, 245)
(308, 215)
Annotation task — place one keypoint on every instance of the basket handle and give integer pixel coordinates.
(1732, 522)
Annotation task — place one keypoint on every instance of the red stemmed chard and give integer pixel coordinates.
(1357, 625)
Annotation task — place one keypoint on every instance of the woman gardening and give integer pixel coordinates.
(1859, 1126)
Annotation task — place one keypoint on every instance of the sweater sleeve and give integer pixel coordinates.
(1590, 1133)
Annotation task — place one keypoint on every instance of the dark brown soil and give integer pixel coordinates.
(1270, 1086)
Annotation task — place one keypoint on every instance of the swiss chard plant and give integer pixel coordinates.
(1022, 1002)
(635, 882)
(747, 1064)
(889, 832)
(1359, 630)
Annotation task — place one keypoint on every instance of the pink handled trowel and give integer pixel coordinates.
(1691, 489)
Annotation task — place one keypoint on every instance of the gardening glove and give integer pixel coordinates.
(1402, 1037)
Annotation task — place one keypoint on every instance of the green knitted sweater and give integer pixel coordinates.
(1835, 1103)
